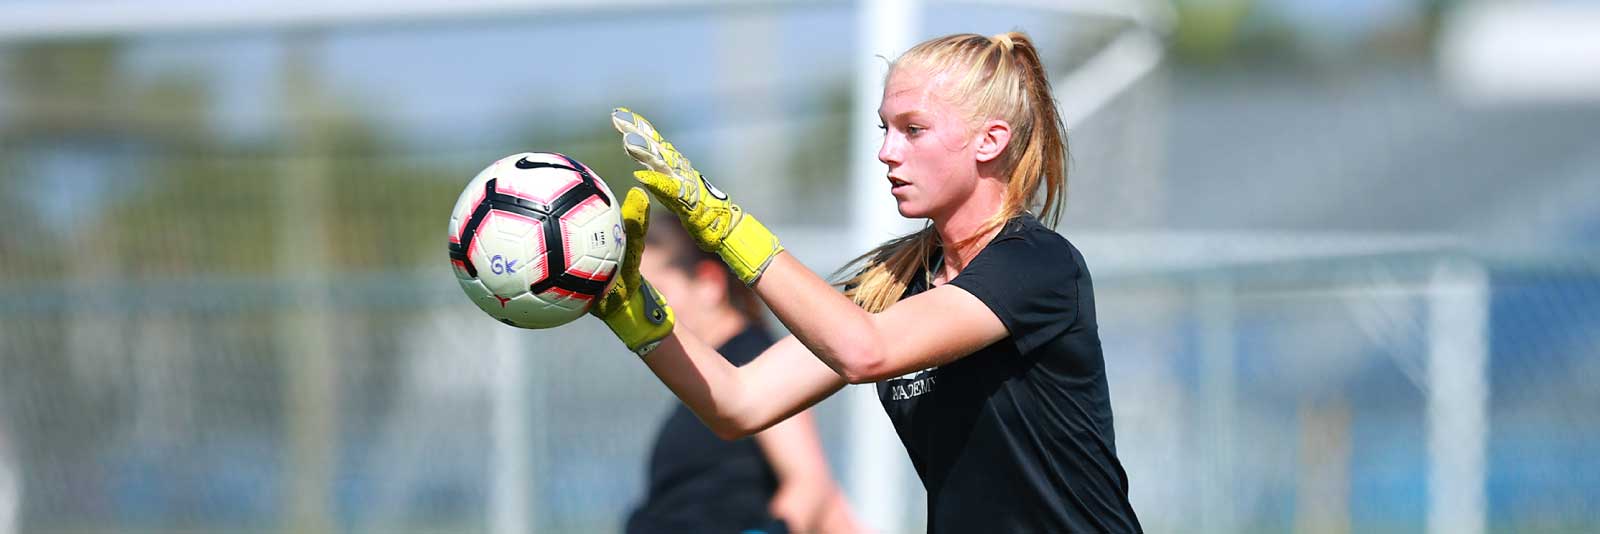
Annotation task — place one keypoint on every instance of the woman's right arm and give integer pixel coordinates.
(732, 401)
(735, 402)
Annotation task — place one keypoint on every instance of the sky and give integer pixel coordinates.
(466, 78)
(455, 87)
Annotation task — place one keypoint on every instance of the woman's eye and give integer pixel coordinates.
(914, 130)
(884, 128)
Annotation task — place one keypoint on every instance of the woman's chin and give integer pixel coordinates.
(909, 207)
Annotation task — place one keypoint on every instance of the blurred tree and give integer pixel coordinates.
(1207, 29)
(820, 165)
(17, 256)
(1217, 31)
(217, 203)
(119, 190)
(57, 96)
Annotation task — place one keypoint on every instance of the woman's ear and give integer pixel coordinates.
(993, 136)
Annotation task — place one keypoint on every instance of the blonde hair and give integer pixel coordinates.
(996, 77)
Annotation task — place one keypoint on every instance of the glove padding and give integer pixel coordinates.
(634, 311)
(716, 224)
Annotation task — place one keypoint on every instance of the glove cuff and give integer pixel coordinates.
(748, 249)
(643, 321)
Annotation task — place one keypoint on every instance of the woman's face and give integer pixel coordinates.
(927, 145)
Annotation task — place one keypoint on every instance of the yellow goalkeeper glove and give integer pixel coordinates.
(634, 311)
(717, 224)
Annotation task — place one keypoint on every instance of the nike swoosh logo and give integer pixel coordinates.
(525, 163)
(713, 189)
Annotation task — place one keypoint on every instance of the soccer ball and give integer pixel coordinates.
(536, 239)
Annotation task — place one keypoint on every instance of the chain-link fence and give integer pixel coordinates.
(1290, 396)
(226, 316)
(1366, 394)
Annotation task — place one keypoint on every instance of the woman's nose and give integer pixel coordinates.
(887, 153)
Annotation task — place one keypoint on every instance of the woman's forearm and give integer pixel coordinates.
(735, 402)
(833, 328)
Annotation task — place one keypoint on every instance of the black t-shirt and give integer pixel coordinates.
(1017, 436)
(699, 482)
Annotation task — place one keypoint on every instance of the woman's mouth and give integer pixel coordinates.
(896, 184)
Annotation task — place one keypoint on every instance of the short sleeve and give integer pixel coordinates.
(744, 347)
(1030, 281)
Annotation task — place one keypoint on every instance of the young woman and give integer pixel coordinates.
(979, 330)
(776, 482)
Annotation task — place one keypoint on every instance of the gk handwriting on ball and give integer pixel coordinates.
(500, 265)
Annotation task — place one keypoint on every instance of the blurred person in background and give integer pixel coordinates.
(698, 482)
(979, 330)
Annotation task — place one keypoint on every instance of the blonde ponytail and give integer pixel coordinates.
(886, 271)
(1003, 79)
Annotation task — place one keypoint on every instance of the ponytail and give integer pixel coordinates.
(1004, 79)
(886, 271)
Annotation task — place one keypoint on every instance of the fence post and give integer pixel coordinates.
(878, 467)
(1458, 396)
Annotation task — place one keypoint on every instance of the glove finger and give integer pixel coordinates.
(663, 186)
(626, 121)
(640, 140)
(635, 225)
(635, 221)
(646, 152)
(622, 119)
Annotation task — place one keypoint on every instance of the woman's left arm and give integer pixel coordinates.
(929, 329)
(932, 328)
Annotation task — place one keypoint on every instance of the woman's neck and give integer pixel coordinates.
(965, 222)
(959, 246)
